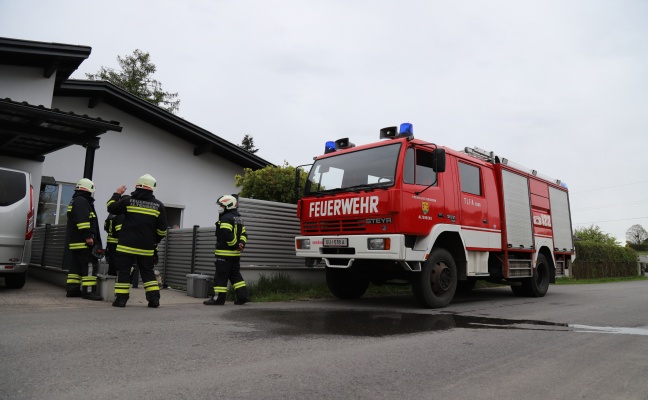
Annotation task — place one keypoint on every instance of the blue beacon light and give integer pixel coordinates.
(329, 147)
(406, 129)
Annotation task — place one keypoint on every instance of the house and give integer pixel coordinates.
(64, 129)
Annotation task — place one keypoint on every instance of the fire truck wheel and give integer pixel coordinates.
(346, 283)
(538, 284)
(435, 285)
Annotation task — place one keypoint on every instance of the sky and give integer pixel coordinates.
(559, 86)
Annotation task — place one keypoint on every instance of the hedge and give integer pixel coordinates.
(596, 260)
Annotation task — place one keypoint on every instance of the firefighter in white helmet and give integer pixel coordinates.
(230, 241)
(144, 225)
(82, 236)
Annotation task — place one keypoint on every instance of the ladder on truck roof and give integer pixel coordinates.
(491, 157)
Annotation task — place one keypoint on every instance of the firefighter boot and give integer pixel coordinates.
(153, 299)
(92, 294)
(120, 301)
(216, 300)
(73, 291)
(242, 296)
(73, 286)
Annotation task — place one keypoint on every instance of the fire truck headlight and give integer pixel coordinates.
(303, 244)
(378, 244)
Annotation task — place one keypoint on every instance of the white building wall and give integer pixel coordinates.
(26, 84)
(184, 180)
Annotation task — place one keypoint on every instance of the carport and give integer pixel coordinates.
(30, 132)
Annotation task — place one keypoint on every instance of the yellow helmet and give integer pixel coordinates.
(85, 184)
(146, 182)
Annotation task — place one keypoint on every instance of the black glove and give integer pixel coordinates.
(155, 257)
(97, 251)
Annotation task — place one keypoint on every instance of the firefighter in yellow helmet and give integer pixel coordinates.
(230, 241)
(144, 225)
(82, 236)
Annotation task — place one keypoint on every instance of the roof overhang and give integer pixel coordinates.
(61, 58)
(30, 132)
(203, 140)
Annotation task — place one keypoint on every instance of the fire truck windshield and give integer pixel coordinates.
(357, 170)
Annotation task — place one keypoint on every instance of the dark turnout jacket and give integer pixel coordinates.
(81, 221)
(230, 231)
(145, 221)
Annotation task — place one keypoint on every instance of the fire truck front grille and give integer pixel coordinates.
(333, 226)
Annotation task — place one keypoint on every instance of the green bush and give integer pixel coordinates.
(597, 260)
(637, 247)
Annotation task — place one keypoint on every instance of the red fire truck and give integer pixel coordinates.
(406, 211)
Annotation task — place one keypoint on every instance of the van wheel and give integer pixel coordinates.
(538, 284)
(347, 283)
(15, 281)
(436, 284)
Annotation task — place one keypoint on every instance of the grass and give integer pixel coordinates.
(573, 281)
(281, 287)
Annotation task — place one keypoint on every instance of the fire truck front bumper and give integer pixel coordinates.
(341, 251)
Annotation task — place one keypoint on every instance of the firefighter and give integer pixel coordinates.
(230, 241)
(82, 236)
(112, 225)
(144, 225)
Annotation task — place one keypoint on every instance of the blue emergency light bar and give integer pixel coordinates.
(406, 129)
(393, 132)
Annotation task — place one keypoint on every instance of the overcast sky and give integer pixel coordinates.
(555, 85)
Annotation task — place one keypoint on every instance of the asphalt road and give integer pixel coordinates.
(578, 342)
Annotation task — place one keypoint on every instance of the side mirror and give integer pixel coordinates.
(439, 162)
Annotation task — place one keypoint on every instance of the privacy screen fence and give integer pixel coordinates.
(271, 229)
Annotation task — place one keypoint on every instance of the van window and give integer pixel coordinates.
(12, 187)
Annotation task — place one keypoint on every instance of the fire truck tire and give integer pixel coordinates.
(538, 284)
(436, 284)
(346, 283)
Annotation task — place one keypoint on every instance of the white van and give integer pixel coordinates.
(16, 225)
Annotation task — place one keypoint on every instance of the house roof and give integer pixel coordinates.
(29, 131)
(63, 59)
(202, 140)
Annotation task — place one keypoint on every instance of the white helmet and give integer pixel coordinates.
(227, 202)
(146, 182)
(85, 184)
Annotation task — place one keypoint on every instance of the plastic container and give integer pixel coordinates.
(191, 279)
(202, 286)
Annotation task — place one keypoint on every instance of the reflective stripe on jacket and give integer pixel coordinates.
(230, 231)
(144, 223)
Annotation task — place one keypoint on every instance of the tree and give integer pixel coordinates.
(270, 183)
(135, 76)
(594, 234)
(636, 234)
(247, 144)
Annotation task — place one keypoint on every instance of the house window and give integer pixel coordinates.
(53, 202)
(470, 179)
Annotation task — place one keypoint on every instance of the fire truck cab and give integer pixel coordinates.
(406, 211)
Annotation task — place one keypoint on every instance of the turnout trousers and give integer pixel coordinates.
(229, 268)
(124, 262)
(111, 252)
(82, 271)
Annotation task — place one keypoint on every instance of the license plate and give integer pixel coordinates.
(336, 242)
